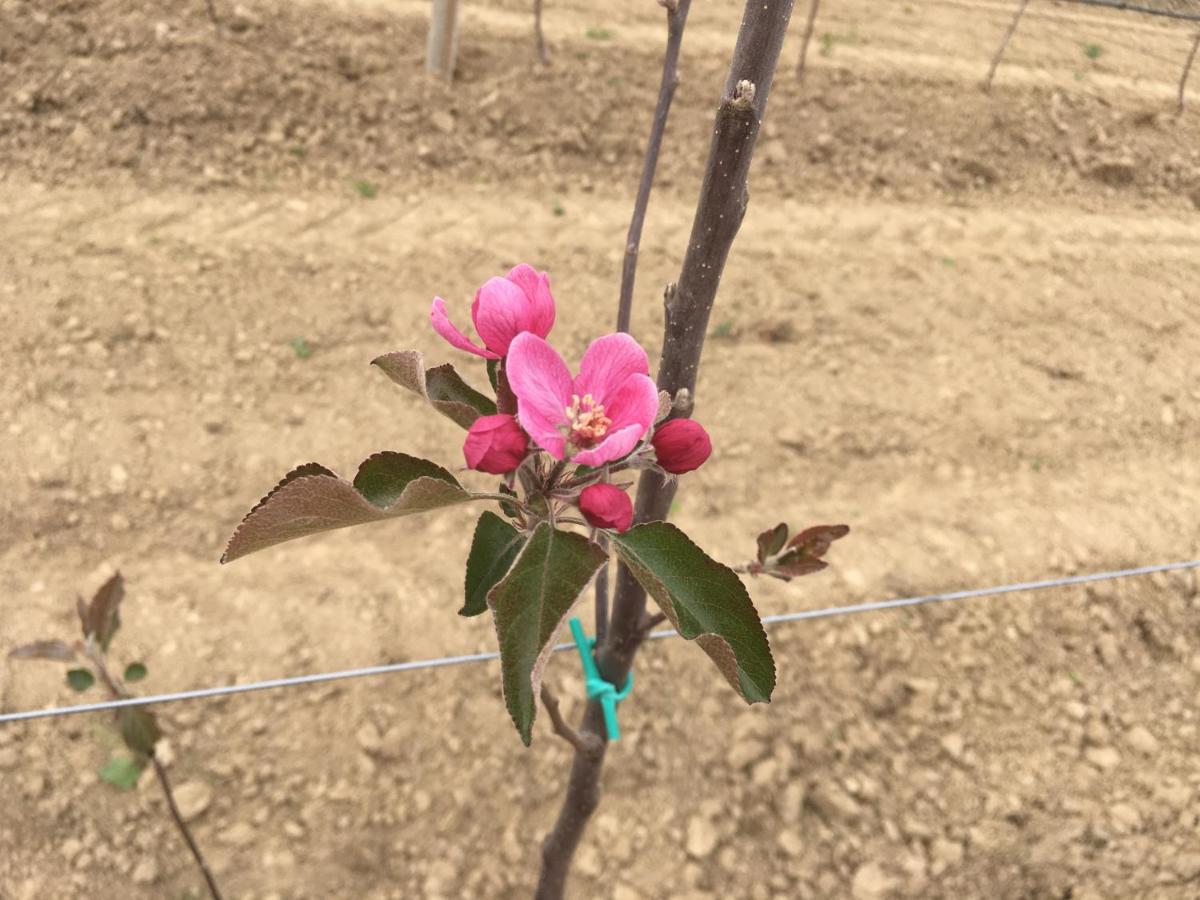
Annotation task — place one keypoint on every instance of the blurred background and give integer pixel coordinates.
(963, 323)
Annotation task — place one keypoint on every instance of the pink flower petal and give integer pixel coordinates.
(542, 383)
(617, 443)
(501, 312)
(606, 365)
(443, 326)
(634, 403)
(536, 286)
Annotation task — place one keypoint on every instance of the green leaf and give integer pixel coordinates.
(80, 679)
(493, 370)
(493, 550)
(705, 601)
(442, 387)
(530, 605)
(384, 477)
(301, 347)
(121, 772)
(139, 729)
(135, 671)
(312, 499)
(771, 541)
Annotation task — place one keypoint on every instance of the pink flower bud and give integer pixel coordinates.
(606, 506)
(681, 445)
(495, 444)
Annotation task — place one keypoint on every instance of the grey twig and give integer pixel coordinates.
(1012, 29)
(1187, 70)
(677, 12)
(539, 35)
(807, 38)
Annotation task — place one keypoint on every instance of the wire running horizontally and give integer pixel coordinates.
(1187, 10)
(828, 612)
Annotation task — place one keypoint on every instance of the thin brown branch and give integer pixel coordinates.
(650, 622)
(118, 692)
(677, 12)
(587, 744)
(1008, 35)
(806, 40)
(165, 784)
(1187, 70)
(723, 199)
(539, 35)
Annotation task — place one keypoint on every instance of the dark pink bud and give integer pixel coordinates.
(681, 445)
(606, 506)
(495, 444)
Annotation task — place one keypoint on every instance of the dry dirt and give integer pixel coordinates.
(964, 324)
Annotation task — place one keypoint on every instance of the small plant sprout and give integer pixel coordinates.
(598, 33)
(138, 728)
(1093, 51)
(301, 347)
(368, 190)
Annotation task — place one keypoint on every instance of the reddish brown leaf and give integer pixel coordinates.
(441, 386)
(104, 613)
(59, 651)
(313, 499)
(817, 540)
(771, 541)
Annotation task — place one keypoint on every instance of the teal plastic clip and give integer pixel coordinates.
(596, 686)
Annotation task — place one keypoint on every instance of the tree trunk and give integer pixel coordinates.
(723, 199)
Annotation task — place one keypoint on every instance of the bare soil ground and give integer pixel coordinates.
(964, 324)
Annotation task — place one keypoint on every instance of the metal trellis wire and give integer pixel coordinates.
(828, 612)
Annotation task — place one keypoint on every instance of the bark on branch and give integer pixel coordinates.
(723, 200)
(677, 12)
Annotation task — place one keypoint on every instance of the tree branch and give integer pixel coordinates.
(677, 12)
(583, 743)
(1187, 70)
(723, 200)
(539, 34)
(807, 38)
(165, 784)
(117, 691)
(1008, 35)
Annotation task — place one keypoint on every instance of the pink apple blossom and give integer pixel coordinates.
(594, 418)
(606, 506)
(503, 308)
(495, 444)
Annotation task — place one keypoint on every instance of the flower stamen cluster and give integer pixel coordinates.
(586, 421)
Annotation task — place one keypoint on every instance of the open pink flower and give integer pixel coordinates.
(503, 308)
(594, 418)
